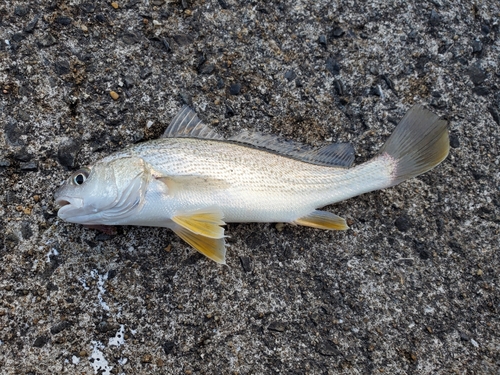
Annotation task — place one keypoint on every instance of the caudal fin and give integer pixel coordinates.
(418, 144)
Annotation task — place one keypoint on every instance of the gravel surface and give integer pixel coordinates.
(411, 288)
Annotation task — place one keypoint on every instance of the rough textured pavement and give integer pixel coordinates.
(411, 288)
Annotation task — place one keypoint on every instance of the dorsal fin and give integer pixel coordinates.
(334, 155)
(187, 124)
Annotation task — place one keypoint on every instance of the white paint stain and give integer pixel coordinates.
(97, 360)
(119, 338)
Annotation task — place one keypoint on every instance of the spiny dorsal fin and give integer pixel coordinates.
(187, 124)
(334, 155)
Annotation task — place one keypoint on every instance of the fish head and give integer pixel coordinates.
(104, 193)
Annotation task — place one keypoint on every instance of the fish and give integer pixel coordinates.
(193, 181)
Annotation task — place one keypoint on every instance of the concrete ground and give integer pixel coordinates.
(411, 288)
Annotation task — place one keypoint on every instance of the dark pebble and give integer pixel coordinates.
(290, 75)
(166, 45)
(62, 67)
(464, 336)
(481, 90)
(403, 223)
(332, 66)
(28, 166)
(327, 348)
(103, 237)
(246, 263)
(111, 274)
(182, 39)
(67, 152)
(421, 249)
(229, 111)
(207, 69)
(277, 327)
(21, 10)
(158, 3)
(145, 73)
(186, 98)
(298, 83)
(477, 47)
(103, 327)
(13, 132)
(375, 90)
(128, 82)
(220, 83)
(485, 29)
(130, 38)
(4, 163)
(223, 4)
(101, 18)
(388, 81)
(65, 21)
(412, 35)
(337, 32)
(59, 327)
(435, 18)
(494, 113)
(23, 115)
(11, 240)
(168, 347)
(235, 88)
(40, 341)
(322, 40)
(339, 87)
(436, 94)
(26, 231)
(88, 7)
(454, 140)
(17, 37)
(47, 41)
(31, 25)
(22, 155)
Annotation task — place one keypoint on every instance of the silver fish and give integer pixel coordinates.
(193, 181)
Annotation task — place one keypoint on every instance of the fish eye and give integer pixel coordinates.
(80, 176)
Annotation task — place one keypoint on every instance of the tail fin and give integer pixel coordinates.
(418, 144)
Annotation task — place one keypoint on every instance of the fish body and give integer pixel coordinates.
(193, 181)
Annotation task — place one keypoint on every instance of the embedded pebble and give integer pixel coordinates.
(114, 95)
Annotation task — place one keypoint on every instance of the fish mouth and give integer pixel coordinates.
(68, 206)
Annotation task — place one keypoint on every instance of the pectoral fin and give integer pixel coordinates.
(205, 222)
(323, 220)
(214, 248)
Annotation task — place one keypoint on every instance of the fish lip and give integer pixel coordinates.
(68, 204)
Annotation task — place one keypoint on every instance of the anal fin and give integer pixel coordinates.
(323, 220)
(213, 248)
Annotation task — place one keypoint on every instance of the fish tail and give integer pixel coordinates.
(418, 144)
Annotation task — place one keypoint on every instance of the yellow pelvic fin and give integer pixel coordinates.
(213, 248)
(323, 220)
(205, 222)
(188, 182)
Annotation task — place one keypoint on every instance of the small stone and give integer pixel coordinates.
(166, 45)
(47, 41)
(435, 18)
(207, 69)
(88, 7)
(454, 140)
(235, 88)
(128, 82)
(21, 10)
(83, 353)
(59, 327)
(84, 28)
(280, 226)
(28, 166)
(481, 90)
(403, 223)
(67, 152)
(327, 348)
(485, 29)
(62, 67)
(479, 272)
(322, 40)
(147, 358)
(65, 21)
(40, 341)
(337, 32)
(31, 26)
(477, 47)
(114, 5)
(36, 198)
(114, 95)
(332, 66)
(130, 38)
(145, 73)
(290, 75)
(168, 347)
(277, 327)
(4, 163)
(246, 263)
(339, 87)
